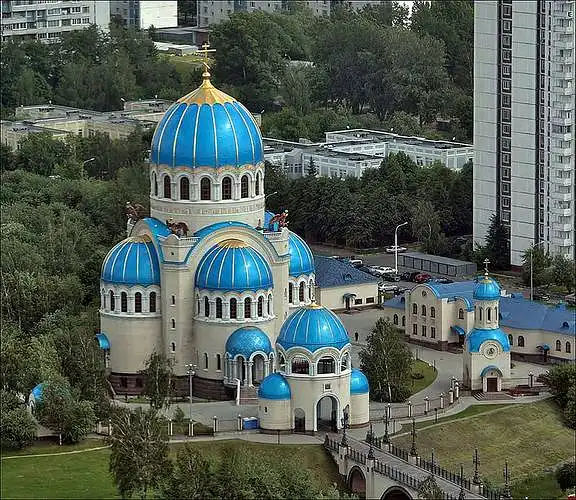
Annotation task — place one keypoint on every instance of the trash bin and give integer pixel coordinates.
(249, 423)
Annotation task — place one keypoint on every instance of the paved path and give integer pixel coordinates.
(73, 452)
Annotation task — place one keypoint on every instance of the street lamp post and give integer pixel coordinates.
(191, 371)
(396, 245)
(532, 247)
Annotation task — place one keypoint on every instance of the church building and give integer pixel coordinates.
(220, 286)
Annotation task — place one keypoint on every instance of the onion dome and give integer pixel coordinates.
(487, 289)
(274, 386)
(358, 382)
(301, 258)
(133, 261)
(233, 265)
(313, 327)
(36, 393)
(478, 336)
(207, 128)
(246, 341)
(205, 231)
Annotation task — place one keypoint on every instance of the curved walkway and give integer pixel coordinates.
(73, 452)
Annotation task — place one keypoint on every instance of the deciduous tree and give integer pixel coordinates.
(387, 362)
(158, 380)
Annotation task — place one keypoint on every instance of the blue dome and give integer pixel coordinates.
(207, 128)
(487, 289)
(358, 382)
(37, 392)
(233, 265)
(205, 231)
(133, 261)
(301, 258)
(478, 336)
(246, 341)
(313, 327)
(274, 386)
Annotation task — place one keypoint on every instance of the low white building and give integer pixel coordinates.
(145, 13)
(351, 152)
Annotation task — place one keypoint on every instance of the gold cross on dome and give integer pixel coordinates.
(486, 262)
(204, 53)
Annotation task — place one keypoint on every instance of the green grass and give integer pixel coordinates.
(429, 372)
(468, 412)
(85, 475)
(537, 486)
(532, 437)
(43, 447)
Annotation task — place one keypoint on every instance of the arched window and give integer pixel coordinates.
(206, 361)
(290, 292)
(247, 308)
(489, 314)
(510, 340)
(568, 347)
(345, 362)
(281, 363)
(167, 187)
(227, 188)
(124, 302)
(244, 186)
(300, 366)
(173, 323)
(154, 184)
(184, 188)
(520, 341)
(206, 307)
(326, 364)
(138, 302)
(269, 305)
(301, 292)
(258, 184)
(423, 310)
(152, 302)
(173, 346)
(395, 319)
(205, 189)
(414, 308)
(403, 320)
(432, 312)
(233, 308)
(218, 362)
(310, 287)
(460, 313)
(218, 307)
(260, 306)
(558, 345)
(480, 313)
(112, 301)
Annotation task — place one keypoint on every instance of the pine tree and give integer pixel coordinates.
(312, 171)
(498, 244)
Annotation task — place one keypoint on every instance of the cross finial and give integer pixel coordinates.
(204, 53)
(486, 262)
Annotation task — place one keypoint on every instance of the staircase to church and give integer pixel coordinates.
(491, 396)
(248, 395)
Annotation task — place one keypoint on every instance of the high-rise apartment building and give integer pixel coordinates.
(145, 13)
(524, 122)
(215, 11)
(45, 20)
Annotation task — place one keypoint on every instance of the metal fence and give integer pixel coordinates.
(444, 473)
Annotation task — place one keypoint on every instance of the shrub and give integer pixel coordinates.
(178, 416)
(566, 476)
(17, 429)
(417, 376)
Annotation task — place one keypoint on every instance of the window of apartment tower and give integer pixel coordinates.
(506, 159)
(506, 115)
(506, 188)
(505, 144)
(507, 11)
(506, 55)
(506, 70)
(507, 41)
(506, 101)
(507, 26)
(506, 173)
(506, 85)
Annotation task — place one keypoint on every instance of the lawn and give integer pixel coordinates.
(538, 486)
(532, 437)
(429, 372)
(471, 411)
(85, 475)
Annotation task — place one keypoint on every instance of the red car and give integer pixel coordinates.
(422, 278)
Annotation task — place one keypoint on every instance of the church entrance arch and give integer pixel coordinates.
(357, 482)
(257, 368)
(299, 420)
(396, 493)
(492, 384)
(326, 414)
(241, 369)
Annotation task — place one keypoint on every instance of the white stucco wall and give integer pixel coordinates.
(359, 409)
(333, 297)
(274, 414)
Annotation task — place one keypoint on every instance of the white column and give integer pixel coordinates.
(250, 366)
(212, 303)
(266, 368)
(225, 309)
(236, 187)
(253, 308)
(246, 373)
(234, 368)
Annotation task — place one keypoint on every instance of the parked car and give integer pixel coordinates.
(356, 262)
(366, 269)
(422, 278)
(391, 277)
(392, 249)
(441, 281)
(407, 276)
(387, 288)
(381, 270)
